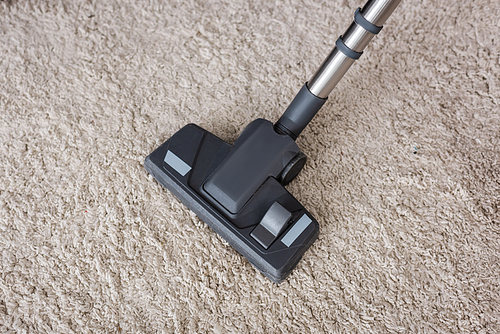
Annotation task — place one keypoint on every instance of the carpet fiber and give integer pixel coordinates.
(403, 171)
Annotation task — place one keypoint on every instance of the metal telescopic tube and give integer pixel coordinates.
(356, 38)
(348, 48)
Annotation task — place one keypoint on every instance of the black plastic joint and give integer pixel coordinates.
(345, 50)
(299, 113)
(365, 24)
(282, 130)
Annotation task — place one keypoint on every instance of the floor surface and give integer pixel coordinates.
(403, 171)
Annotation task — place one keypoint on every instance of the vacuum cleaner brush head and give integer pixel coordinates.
(235, 190)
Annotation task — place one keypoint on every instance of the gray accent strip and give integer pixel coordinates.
(176, 163)
(345, 50)
(296, 230)
(367, 25)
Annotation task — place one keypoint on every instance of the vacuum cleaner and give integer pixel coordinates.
(239, 189)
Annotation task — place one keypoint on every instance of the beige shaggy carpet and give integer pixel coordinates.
(403, 172)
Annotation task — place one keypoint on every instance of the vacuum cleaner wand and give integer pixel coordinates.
(348, 48)
(238, 190)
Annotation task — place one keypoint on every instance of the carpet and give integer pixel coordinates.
(402, 175)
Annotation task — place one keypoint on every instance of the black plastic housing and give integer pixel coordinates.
(195, 154)
(300, 112)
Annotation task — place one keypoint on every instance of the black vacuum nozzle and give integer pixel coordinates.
(236, 190)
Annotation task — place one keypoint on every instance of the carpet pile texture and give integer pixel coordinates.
(403, 172)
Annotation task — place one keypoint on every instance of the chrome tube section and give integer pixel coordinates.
(329, 74)
(377, 12)
(348, 48)
(356, 38)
